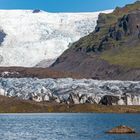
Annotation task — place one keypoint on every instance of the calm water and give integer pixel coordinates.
(66, 126)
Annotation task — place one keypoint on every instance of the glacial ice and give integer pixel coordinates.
(71, 90)
(32, 38)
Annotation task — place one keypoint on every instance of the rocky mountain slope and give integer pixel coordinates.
(29, 37)
(112, 51)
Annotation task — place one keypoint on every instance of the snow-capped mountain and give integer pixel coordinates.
(28, 37)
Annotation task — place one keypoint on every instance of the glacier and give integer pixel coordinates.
(36, 37)
(72, 91)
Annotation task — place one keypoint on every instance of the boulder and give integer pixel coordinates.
(121, 130)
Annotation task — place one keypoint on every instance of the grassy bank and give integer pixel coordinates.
(13, 105)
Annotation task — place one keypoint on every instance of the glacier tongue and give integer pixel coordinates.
(34, 37)
(69, 90)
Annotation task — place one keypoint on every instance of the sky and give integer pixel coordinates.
(64, 5)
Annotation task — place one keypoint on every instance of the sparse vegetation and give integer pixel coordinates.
(125, 56)
(13, 105)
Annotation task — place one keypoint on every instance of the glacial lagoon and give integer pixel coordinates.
(78, 126)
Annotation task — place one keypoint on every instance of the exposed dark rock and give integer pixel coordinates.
(2, 36)
(36, 11)
(97, 29)
(121, 130)
(118, 35)
(109, 100)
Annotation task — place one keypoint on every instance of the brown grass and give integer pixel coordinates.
(39, 72)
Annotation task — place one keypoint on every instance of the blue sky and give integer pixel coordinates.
(63, 5)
